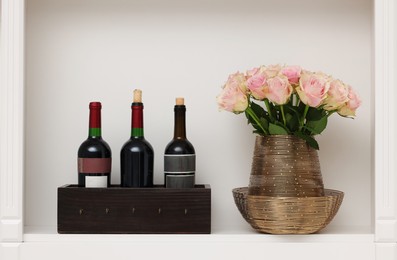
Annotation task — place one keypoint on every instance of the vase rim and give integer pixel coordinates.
(278, 136)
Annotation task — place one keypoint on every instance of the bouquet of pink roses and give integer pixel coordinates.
(295, 101)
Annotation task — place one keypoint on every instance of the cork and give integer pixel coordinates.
(180, 101)
(137, 96)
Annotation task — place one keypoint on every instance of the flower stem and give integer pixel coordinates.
(268, 109)
(256, 119)
(298, 100)
(283, 115)
(304, 115)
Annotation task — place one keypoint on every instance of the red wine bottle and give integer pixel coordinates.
(94, 155)
(179, 155)
(137, 156)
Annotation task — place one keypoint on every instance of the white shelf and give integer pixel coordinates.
(335, 243)
(226, 234)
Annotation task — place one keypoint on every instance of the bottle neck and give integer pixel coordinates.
(137, 119)
(94, 128)
(180, 122)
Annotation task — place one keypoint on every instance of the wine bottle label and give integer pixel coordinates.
(94, 165)
(179, 163)
(96, 181)
(179, 181)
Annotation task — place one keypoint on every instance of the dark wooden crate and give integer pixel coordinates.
(118, 210)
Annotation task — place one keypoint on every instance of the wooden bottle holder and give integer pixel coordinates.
(118, 210)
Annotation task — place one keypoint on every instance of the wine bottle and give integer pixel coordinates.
(94, 154)
(179, 155)
(137, 156)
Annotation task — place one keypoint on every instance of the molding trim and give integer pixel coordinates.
(385, 122)
(10, 251)
(12, 120)
(386, 251)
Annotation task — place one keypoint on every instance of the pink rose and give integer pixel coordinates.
(337, 95)
(313, 88)
(278, 90)
(350, 107)
(239, 80)
(233, 97)
(272, 70)
(293, 73)
(256, 82)
(254, 71)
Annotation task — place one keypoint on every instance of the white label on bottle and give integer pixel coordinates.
(96, 181)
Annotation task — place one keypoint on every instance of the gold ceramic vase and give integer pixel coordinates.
(285, 166)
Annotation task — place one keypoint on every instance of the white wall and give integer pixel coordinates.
(79, 51)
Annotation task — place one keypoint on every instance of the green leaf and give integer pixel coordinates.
(293, 109)
(309, 140)
(292, 122)
(314, 114)
(247, 116)
(308, 130)
(277, 130)
(257, 127)
(264, 122)
(318, 126)
(271, 111)
(301, 107)
(258, 110)
(278, 123)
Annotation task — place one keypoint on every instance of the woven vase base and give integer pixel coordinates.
(288, 215)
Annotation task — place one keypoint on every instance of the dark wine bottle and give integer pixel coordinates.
(179, 155)
(94, 155)
(137, 156)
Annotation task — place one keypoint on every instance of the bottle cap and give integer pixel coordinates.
(137, 96)
(180, 101)
(95, 105)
